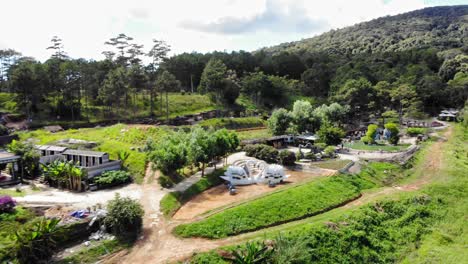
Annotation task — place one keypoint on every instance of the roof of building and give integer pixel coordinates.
(6, 157)
(51, 148)
(84, 153)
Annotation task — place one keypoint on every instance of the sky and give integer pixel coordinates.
(201, 25)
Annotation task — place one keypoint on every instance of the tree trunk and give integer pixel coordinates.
(167, 107)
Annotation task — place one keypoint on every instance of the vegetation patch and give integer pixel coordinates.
(233, 123)
(279, 207)
(333, 164)
(94, 253)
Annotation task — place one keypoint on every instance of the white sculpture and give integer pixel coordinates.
(247, 172)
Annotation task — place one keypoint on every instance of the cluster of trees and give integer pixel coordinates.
(374, 67)
(196, 147)
(65, 174)
(62, 87)
(326, 120)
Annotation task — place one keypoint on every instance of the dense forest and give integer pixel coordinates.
(412, 64)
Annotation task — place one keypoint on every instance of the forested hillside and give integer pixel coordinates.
(434, 27)
(412, 64)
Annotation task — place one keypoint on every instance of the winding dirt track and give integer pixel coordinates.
(158, 245)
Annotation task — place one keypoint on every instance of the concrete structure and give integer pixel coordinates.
(94, 162)
(9, 174)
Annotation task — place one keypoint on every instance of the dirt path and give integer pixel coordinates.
(160, 246)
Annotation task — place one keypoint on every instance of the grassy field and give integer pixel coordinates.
(172, 201)
(421, 226)
(376, 147)
(254, 134)
(334, 164)
(233, 123)
(110, 139)
(279, 207)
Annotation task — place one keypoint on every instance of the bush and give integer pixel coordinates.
(329, 151)
(393, 129)
(310, 156)
(279, 207)
(366, 140)
(287, 157)
(320, 146)
(7, 204)
(262, 152)
(110, 178)
(414, 131)
(330, 135)
(124, 217)
(370, 134)
(165, 181)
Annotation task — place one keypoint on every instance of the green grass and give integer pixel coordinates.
(359, 145)
(233, 123)
(171, 202)
(110, 139)
(254, 134)
(335, 164)
(94, 253)
(12, 193)
(279, 207)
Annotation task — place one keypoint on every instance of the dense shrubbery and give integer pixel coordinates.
(124, 217)
(233, 123)
(414, 131)
(262, 152)
(394, 137)
(329, 151)
(110, 178)
(287, 157)
(369, 138)
(330, 135)
(283, 206)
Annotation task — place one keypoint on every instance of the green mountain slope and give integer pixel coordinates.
(443, 27)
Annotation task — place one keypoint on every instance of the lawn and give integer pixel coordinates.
(12, 193)
(94, 253)
(333, 164)
(234, 123)
(254, 134)
(110, 139)
(279, 207)
(359, 145)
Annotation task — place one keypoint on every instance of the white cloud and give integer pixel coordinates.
(85, 25)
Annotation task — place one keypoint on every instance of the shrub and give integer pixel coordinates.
(124, 217)
(393, 129)
(366, 140)
(310, 156)
(329, 151)
(113, 178)
(165, 181)
(320, 146)
(7, 204)
(262, 152)
(414, 131)
(287, 157)
(279, 207)
(331, 135)
(370, 134)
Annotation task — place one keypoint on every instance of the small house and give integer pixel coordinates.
(9, 170)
